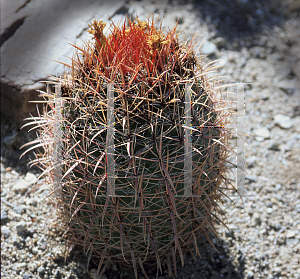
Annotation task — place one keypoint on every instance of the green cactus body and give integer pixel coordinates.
(149, 220)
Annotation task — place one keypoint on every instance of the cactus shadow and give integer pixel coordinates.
(211, 264)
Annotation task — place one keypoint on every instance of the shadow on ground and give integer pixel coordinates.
(238, 19)
(212, 264)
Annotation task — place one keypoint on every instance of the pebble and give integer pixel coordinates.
(269, 204)
(4, 217)
(290, 234)
(251, 178)
(19, 209)
(278, 227)
(5, 231)
(21, 186)
(41, 269)
(269, 210)
(251, 161)
(220, 42)
(288, 86)
(298, 208)
(292, 241)
(21, 227)
(30, 178)
(222, 62)
(262, 133)
(283, 121)
(250, 274)
(273, 145)
(208, 48)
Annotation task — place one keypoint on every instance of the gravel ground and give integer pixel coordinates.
(256, 43)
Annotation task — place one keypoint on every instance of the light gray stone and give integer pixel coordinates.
(250, 274)
(208, 48)
(21, 186)
(292, 241)
(262, 133)
(283, 121)
(45, 31)
(19, 209)
(5, 231)
(288, 86)
(41, 269)
(290, 234)
(251, 178)
(220, 42)
(30, 178)
(34, 35)
(251, 161)
(222, 62)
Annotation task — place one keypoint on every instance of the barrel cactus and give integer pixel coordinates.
(134, 148)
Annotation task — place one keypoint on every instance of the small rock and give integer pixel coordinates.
(274, 200)
(259, 139)
(30, 178)
(19, 209)
(262, 231)
(57, 274)
(297, 137)
(298, 208)
(259, 12)
(5, 231)
(41, 269)
(277, 187)
(290, 234)
(250, 274)
(251, 161)
(292, 241)
(21, 186)
(222, 62)
(220, 42)
(262, 132)
(21, 227)
(269, 204)
(256, 52)
(269, 210)
(283, 121)
(4, 217)
(8, 169)
(26, 276)
(287, 86)
(208, 48)
(229, 233)
(296, 111)
(251, 178)
(278, 227)
(273, 146)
